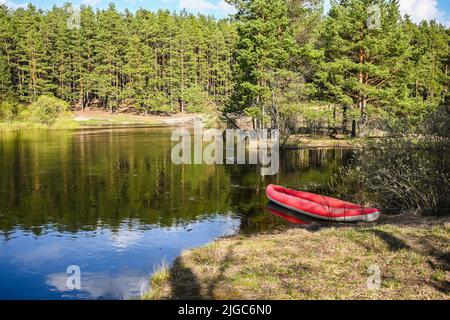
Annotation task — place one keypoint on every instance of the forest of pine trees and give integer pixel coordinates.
(272, 61)
(153, 62)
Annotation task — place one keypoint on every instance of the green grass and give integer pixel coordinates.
(68, 122)
(320, 141)
(60, 123)
(118, 119)
(331, 263)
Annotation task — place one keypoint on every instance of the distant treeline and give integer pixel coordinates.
(149, 61)
(274, 60)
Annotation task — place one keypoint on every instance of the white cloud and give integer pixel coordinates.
(420, 10)
(225, 7)
(12, 4)
(197, 5)
(206, 6)
(91, 3)
(95, 285)
(125, 238)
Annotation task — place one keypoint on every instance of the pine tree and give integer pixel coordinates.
(86, 49)
(31, 60)
(364, 65)
(109, 46)
(266, 41)
(428, 80)
(6, 54)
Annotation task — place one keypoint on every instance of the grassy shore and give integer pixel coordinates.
(60, 123)
(299, 141)
(91, 118)
(319, 262)
(94, 118)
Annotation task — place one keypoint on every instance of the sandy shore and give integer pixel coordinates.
(97, 117)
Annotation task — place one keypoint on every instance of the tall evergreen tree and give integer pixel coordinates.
(266, 41)
(6, 54)
(429, 63)
(364, 61)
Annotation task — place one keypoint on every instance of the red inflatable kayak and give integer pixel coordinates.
(320, 207)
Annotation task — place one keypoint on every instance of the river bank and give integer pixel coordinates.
(97, 118)
(317, 262)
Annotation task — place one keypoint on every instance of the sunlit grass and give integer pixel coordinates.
(60, 123)
(69, 122)
(331, 263)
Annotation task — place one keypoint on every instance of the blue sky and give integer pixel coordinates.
(417, 9)
(218, 8)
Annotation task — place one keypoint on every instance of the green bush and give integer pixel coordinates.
(409, 170)
(6, 111)
(400, 174)
(9, 110)
(45, 110)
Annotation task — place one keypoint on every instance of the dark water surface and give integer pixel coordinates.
(111, 202)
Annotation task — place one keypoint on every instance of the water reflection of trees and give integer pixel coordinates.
(76, 180)
(82, 180)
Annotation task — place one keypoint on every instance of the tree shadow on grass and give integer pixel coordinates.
(226, 262)
(442, 285)
(183, 282)
(439, 262)
(403, 220)
(394, 243)
(185, 285)
(438, 259)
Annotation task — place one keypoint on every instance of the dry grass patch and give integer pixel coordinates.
(302, 264)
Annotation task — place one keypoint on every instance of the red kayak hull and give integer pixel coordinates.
(320, 207)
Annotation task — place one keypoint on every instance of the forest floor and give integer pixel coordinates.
(322, 261)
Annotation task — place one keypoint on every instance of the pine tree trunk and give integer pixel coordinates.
(446, 84)
(334, 120)
(344, 119)
(362, 100)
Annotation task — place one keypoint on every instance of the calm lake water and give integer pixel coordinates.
(111, 202)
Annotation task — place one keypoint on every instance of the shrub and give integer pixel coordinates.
(400, 174)
(46, 110)
(6, 110)
(9, 110)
